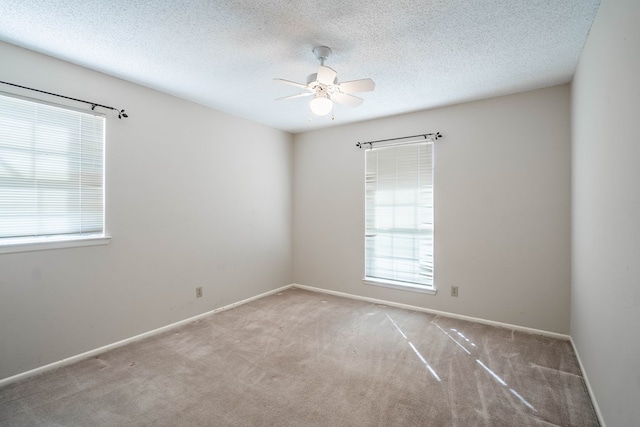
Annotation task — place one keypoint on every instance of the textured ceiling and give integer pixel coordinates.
(225, 53)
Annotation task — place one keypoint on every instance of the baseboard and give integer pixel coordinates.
(100, 350)
(437, 312)
(594, 402)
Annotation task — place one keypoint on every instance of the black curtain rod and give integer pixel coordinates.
(121, 113)
(435, 136)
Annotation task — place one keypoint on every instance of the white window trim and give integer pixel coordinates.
(48, 242)
(23, 244)
(404, 286)
(393, 284)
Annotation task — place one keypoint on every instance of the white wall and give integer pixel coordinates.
(195, 197)
(605, 302)
(502, 208)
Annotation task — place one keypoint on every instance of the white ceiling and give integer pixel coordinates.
(225, 53)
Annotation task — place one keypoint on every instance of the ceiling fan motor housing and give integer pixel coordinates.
(311, 78)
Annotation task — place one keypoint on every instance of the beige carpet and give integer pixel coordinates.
(300, 358)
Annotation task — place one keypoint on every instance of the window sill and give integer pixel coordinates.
(46, 243)
(399, 285)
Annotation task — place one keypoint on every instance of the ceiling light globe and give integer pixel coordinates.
(321, 106)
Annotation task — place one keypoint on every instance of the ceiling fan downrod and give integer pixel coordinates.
(322, 53)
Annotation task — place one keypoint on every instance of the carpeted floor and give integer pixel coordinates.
(301, 358)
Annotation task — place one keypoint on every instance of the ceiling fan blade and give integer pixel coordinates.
(298, 95)
(346, 99)
(326, 75)
(300, 85)
(364, 85)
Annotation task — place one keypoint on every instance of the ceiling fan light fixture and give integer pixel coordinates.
(321, 105)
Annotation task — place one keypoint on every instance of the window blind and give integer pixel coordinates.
(399, 214)
(51, 170)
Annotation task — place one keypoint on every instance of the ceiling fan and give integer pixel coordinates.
(326, 90)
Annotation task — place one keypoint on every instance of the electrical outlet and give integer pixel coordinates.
(454, 291)
(199, 292)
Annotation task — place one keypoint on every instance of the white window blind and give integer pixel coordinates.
(51, 171)
(399, 215)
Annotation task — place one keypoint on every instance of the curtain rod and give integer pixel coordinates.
(121, 113)
(435, 136)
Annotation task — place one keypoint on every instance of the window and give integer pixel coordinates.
(399, 216)
(51, 173)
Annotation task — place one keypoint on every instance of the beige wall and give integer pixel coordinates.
(502, 197)
(195, 197)
(605, 302)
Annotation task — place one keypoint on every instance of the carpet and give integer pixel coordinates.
(300, 358)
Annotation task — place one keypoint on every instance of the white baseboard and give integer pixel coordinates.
(100, 350)
(437, 312)
(589, 389)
